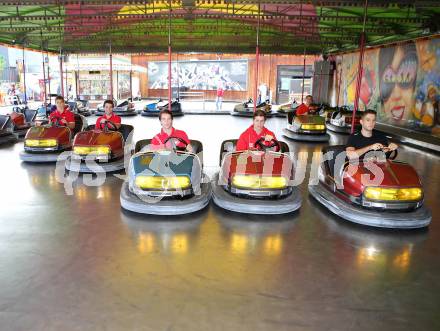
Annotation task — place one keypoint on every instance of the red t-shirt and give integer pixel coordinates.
(66, 114)
(249, 137)
(114, 119)
(302, 109)
(158, 140)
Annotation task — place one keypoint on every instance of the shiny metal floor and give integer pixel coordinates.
(79, 262)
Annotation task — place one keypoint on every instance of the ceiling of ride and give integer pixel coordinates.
(213, 26)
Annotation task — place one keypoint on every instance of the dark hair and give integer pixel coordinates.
(165, 111)
(110, 102)
(367, 112)
(260, 112)
(59, 97)
(309, 96)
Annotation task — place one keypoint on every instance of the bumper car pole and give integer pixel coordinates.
(304, 73)
(77, 78)
(169, 57)
(61, 72)
(131, 84)
(360, 68)
(257, 57)
(24, 77)
(111, 72)
(48, 73)
(320, 85)
(44, 71)
(340, 81)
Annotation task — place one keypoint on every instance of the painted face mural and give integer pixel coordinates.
(402, 83)
(397, 78)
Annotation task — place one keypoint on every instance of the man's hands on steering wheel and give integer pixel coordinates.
(109, 125)
(186, 147)
(390, 150)
(261, 146)
(58, 121)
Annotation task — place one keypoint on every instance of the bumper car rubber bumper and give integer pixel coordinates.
(131, 202)
(21, 133)
(100, 112)
(418, 218)
(39, 157)
(76, 165)
(247, 113)
(7, 139)
(234, 203)
(280, 114)
(126, 113)
(338, 129)
(150, 113)
(306, 137)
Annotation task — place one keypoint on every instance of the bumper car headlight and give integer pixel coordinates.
(41, 142)
(257, 182)
(393, 194)
(162, 183)
(313, 127)
(85, 150)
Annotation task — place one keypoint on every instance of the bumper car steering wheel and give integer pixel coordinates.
(109, 126)
(174, 145)
(261, 146)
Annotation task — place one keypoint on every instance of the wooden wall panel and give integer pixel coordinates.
(267, 71)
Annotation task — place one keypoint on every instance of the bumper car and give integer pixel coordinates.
(341, 120)
(46, 142)
(306, 128)
(103, 149)
(166, 182)
(286, 108)
(256, 181)
(80, 106)
(6, 135)
(122, 108)
(20, 120)
(43, 113)
(328, 111)
(154, 108)
(395, 202)
(247, 109)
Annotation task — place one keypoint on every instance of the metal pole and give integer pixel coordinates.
(61, 72)
(340, 82)
(44, 77)
(320, 83)
(67, 87)
(360, 67)
(169, 57)
(48, 72)
(77, 77)
(257, 57)
(131, 85)
(304, 74)
(111, 73)
(24, 78)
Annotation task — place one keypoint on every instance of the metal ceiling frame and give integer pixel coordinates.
(202, 24)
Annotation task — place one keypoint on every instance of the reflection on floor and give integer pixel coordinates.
(78, 262)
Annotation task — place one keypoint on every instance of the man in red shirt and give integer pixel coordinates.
(304, 108)
(256, 131)
(62, 114)
(109, 116)
(158, 141)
